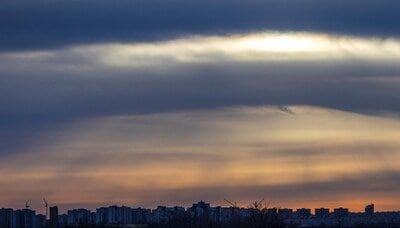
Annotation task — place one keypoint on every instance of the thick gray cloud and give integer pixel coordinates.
(49, 24)
(33, 103)
(336, 85)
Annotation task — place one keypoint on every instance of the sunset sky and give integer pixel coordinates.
(168, 102)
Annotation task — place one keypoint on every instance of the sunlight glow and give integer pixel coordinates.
(284, 43)
(255, 47)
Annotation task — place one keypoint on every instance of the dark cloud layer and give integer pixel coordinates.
(49, 24)
(346, 86)
(33, 102)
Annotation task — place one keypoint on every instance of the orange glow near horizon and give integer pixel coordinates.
(306, 159)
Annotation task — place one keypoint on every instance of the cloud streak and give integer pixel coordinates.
(253, 47)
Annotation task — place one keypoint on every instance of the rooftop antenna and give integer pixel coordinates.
(46, 206)
(26, 211)
(27, 205)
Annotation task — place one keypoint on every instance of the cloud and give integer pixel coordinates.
(202, 72)
(42, 91)
(46, 24)
(253, 47)
(238, 153)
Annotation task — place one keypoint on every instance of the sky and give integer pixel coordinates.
(168, 102)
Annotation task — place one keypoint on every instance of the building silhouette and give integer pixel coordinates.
(303, 212)
(6, 217)
(53, 223)
(341, 212)
(370, 209)
(321, 212)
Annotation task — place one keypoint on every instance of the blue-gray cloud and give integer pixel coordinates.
(47, 24)
(33, 102)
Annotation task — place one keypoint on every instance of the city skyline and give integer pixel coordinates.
(41, 209)
(199, 214)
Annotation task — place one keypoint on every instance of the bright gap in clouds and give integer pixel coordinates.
(267, 46)
(295, 42)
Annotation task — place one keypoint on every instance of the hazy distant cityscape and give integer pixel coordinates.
(200, 214)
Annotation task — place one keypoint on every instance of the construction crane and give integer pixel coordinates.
(46, 205)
